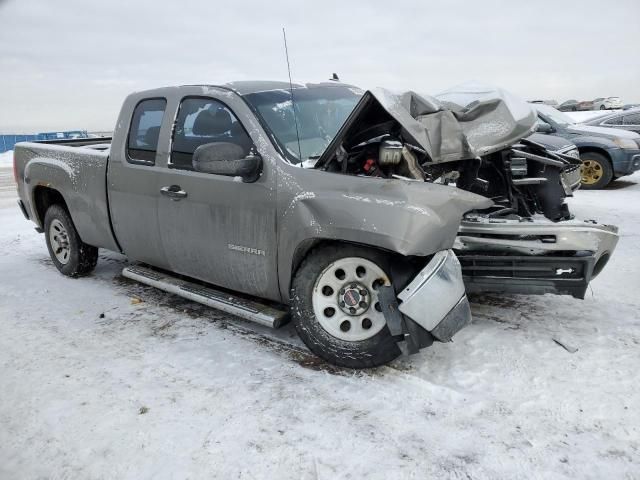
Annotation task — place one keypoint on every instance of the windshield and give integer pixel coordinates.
(556, 116)
(320, 112)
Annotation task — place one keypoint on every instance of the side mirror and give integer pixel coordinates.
(223, 158)
(543, 127)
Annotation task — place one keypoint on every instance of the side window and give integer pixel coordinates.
(633, 119)
(613, 121)
(145, 130)
(205, 120)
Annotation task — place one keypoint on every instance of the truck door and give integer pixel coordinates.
(132, 181)
(214, 227)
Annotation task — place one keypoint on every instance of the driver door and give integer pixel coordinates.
(214, 227)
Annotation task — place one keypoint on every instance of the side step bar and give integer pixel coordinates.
(226, 302)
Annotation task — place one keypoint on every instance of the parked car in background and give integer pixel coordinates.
(608, 103)
(606, 153)
(625, 120)
(575, 106)
(627, 106)
(585, 105)
(568, 106)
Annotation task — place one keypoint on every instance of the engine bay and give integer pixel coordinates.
(522, 178)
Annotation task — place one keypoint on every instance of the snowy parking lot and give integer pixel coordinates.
(104, 378)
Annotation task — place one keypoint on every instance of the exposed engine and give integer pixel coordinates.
(522, 179)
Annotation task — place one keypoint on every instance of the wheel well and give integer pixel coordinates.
(403, 267)
(597, 150)
(43, 198)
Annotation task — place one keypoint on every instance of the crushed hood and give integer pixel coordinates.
(463, 122)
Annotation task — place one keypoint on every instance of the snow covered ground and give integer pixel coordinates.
(103, 378)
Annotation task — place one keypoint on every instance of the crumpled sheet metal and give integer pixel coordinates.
(461, 123)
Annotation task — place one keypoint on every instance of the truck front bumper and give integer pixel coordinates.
(435, 299)
(532, 256)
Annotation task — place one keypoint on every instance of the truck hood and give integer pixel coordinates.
(602, 131)
(461, 123)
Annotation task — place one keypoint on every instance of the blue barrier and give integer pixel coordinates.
(7, 142)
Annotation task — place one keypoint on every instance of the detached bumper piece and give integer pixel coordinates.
(527, 274)
(434, 301)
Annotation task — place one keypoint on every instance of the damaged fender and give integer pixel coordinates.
(402, 216)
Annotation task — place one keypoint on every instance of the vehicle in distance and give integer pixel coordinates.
(608, 103)
(321, 202)
(575, 106)
(606, 153)
(624, 120)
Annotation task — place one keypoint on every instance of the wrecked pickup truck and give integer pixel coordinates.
(339, 207)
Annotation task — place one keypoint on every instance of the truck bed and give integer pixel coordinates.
(76, 169)
(79, 142)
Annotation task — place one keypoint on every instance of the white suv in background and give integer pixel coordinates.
(608, 103)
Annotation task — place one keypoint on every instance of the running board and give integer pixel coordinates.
(226, 302)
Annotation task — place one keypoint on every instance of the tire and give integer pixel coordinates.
(71, 256)
(596, 171)
(602, 107)
(367, 341)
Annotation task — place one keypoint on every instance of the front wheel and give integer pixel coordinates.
(71, 256)
(335, 308)
(596, 171)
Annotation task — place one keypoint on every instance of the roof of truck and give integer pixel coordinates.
(246, 87)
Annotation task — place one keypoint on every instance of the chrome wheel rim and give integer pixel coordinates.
(59, 239)
(345, 299)
(591, 171)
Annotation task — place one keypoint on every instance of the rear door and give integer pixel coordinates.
(133, 181)
(217, 229)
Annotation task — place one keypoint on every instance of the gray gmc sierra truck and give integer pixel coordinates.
(362, 215)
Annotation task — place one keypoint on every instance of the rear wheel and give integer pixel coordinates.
(71, 256)
(596, 171)
(335, 308)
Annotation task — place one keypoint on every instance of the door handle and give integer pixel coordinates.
(174, 192)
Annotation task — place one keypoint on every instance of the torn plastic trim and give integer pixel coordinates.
(435, 299)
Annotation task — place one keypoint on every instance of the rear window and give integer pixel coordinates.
(145, 130)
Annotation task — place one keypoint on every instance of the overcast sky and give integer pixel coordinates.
(68, 64)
